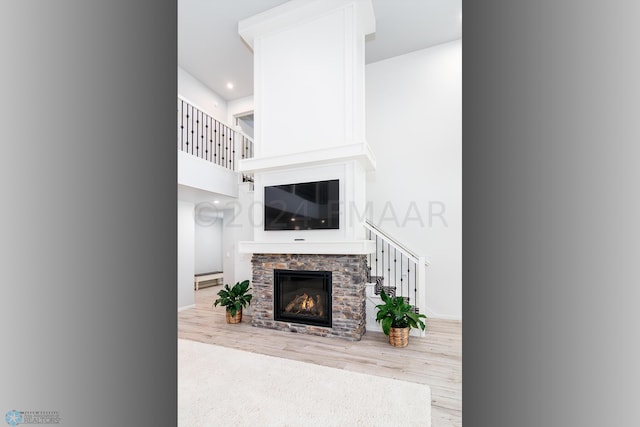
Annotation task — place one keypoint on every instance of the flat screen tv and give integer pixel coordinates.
(302, 206)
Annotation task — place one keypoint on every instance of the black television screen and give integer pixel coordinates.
(302, 206)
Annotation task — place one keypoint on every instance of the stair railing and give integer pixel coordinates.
(203, 136)
(396, 269)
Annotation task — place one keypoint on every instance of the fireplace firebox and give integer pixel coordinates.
(302, 297)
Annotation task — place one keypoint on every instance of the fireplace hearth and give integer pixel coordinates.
(302, 297)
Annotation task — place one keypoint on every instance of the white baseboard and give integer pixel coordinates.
(433, 315)
(186, 307)
(375, 299)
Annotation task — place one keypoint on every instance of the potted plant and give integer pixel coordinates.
(397, 318)
(234, 299)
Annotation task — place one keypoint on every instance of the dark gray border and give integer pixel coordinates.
(551, 98)
(88, 218)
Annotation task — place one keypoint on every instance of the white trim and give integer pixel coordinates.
(349, 247)
(433, 315)
(392, 242)
(186, 307)
(295, 12)
(358, 151)
(422, 285)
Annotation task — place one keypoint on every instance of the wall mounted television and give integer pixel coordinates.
(302, 206)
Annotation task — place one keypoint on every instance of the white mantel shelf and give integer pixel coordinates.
(351, 247)
(360, 151)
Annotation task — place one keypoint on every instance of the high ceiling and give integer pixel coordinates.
(210, 48)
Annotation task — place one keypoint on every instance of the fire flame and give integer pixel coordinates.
(307, 302)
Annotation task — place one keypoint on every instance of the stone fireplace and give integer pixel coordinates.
(313, 308)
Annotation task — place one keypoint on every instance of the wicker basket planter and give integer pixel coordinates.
(397, 317)
(233, 300)
(399, 337)
(234, 319)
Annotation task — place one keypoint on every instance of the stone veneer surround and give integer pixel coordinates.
(349, 275)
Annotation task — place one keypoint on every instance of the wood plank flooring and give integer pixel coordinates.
(435, 360)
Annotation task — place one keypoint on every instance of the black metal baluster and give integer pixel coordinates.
(401, 278)
(222, 136)
(182, 125)
(207, 119)
(207, 138)
(369, 257)
(215, 142)
(227, 153)
(187, 130)
(376, 255)
(212, 126)
(233, 151)
(382, 255)
(194, 136)
(230, 147)
(389, 266)
(188, 117)
(203, 132)
(408, 273)
(395, 272)
(197, 140)
(226, 147)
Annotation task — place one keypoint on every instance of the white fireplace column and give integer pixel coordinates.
(309, 72)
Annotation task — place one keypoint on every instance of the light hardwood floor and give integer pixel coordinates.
(435, 360)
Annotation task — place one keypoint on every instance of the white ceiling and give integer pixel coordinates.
(211, 50)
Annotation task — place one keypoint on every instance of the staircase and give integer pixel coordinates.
(395, 269)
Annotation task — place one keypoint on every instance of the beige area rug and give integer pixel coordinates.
(219, 386)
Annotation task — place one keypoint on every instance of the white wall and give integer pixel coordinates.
(242, 266)
(186, 247)
(200, 96)
(238, 106)
(414, 127)
(208, 247)
(204, 175)
(237, 226)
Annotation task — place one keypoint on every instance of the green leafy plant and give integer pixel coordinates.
(397, 313)
(234, 298)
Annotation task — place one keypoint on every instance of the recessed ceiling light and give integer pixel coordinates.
(216, 201)
(230, 85)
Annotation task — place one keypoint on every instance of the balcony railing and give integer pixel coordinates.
(209, 139)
